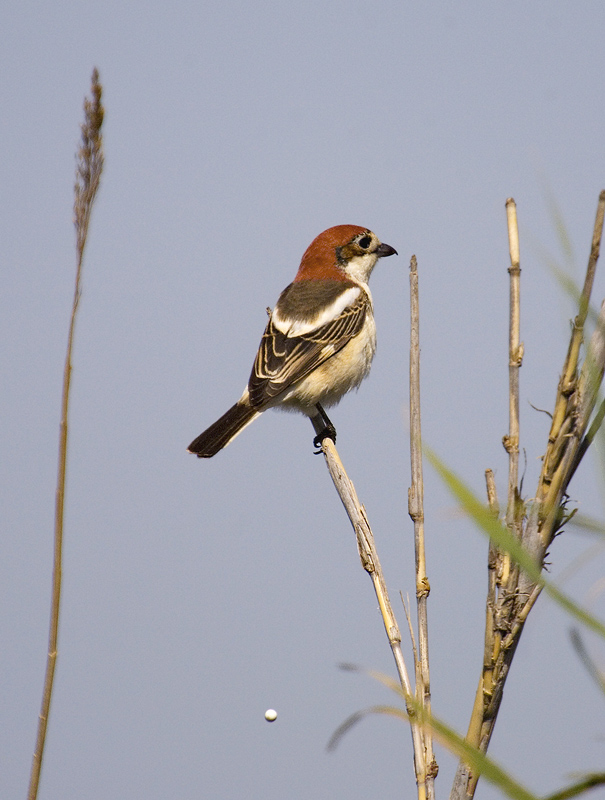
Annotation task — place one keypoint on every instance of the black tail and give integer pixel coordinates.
(223, 431)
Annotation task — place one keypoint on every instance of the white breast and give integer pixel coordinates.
(338, 375)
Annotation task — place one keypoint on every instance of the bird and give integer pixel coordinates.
(319, 341)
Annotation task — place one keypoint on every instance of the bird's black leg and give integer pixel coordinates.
(323, 428)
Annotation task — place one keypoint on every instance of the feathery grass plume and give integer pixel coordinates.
(88, 176)
(89, 162)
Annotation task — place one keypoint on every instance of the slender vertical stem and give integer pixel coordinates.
(502, 576)
(494, 572)
(416, 512)
(516, 591)
(556, 466)
(88, 175)
(515, 358)
(490, 647)
(371, 563)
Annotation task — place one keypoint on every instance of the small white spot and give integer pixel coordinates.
(270, 715)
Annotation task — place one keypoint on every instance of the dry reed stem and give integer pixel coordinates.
(371, 564)
(515, 593)
(88, 175)
(568, 426)
(416, 512)
(491, 639)
(501, 579)
(515, 359)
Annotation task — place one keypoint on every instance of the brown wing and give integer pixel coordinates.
(283, 360)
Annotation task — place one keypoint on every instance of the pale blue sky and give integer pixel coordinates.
(198, 594)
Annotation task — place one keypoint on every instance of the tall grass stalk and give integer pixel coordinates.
(89, 165)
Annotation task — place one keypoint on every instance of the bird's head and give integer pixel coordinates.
(342, 253)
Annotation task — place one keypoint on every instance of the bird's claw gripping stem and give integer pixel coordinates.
(323, 428)
(329, 432)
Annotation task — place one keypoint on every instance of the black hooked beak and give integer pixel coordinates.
(384, 250)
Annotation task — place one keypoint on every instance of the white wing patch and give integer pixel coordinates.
(291, 327)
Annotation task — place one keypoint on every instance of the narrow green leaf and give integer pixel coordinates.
(587, 782)
(590, 665)
(499, 534)
(586, 523)
(448, 737)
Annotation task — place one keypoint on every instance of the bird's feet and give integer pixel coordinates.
(323, 428)
(329, 432)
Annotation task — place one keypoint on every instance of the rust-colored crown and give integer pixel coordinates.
(320, 261)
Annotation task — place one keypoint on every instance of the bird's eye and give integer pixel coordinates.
(365, 242)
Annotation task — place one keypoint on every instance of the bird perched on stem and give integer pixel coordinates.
(319, 342)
